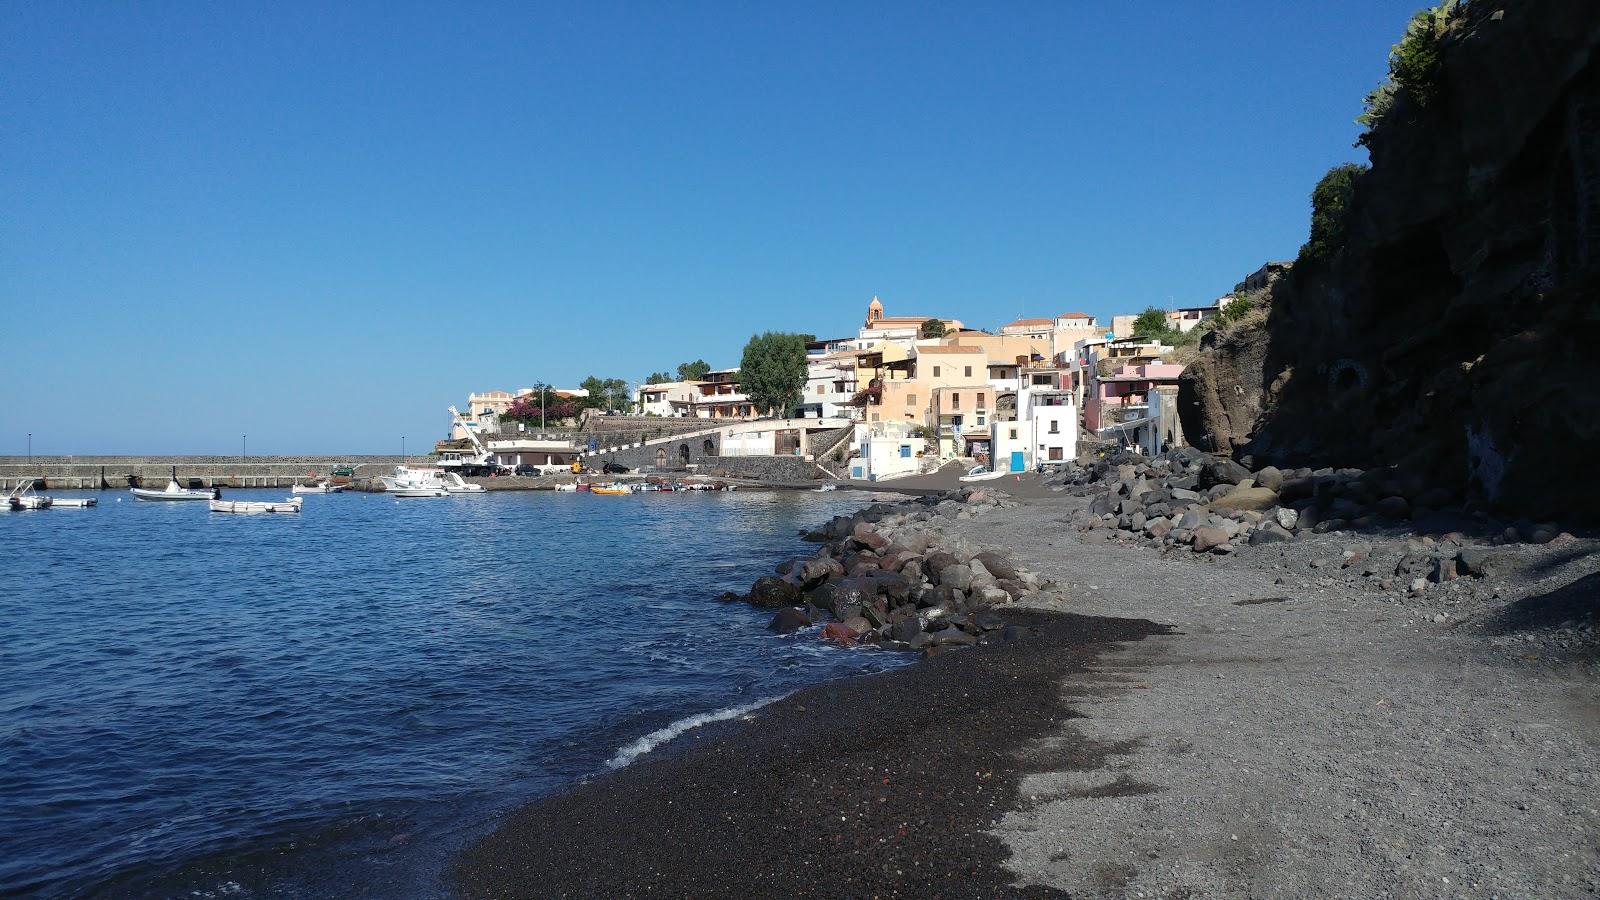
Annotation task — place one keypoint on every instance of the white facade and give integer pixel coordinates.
(888, 450)
(830, 383)
(1006, 440)
(1055, 433)
(659, 399)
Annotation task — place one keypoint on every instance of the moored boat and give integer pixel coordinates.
(409, 482)
(291, 505)
(455, 484)
(321, 487)
(22, 497)
(174, 491)
(610, 489)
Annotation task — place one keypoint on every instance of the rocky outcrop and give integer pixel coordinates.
(1453, 335)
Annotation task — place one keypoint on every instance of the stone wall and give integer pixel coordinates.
(112, 472)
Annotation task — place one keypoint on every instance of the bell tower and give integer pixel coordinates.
(874, 310)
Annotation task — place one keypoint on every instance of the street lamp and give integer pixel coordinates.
(403, 448)
(543, 389)
(244, 446)
(30, 448)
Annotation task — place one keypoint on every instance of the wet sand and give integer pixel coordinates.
(885, 785)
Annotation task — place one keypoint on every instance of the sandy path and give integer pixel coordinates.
(1326, 745)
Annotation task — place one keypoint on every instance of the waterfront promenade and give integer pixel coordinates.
(111, 472)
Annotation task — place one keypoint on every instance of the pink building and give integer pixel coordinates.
(1124, 394)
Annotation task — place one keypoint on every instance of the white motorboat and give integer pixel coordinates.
(981, 473)
(455, 484)
(409, 482)
(292, 505)
(322, 487)
(23, 497)
(72, 503)
(174, 491)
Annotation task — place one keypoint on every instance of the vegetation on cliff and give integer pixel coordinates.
(1330, 212)
(1414, 66)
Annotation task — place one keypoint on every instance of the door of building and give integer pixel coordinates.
(1017, 464)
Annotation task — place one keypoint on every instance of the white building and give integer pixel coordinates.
(887, 450)
(1045, 431)
(667, 398)
(830, 380)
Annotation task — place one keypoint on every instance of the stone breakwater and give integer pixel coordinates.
(892, 576)
(1189, 500)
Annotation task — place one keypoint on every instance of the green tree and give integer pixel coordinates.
(1330, 202)
(1414, 66)
(933, 328)
(658, 378)
(693, 371)
(772, 371)
(1152, 323)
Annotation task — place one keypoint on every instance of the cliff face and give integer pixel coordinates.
(1455, 334)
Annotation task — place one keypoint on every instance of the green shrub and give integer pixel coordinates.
(1330, 202)
(1414, 65)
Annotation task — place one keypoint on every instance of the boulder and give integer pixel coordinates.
(1270, 478)
(1222, 471)
(1270, 533)
(867, 536)
(825, 596)
(998, 565)
(840, 632)
(937, 562)
(788, 621)
(1476, 562)
(953, 637)
(1393, 508)
(1254, 498)
(1209, 537)
(958, 576)
(772, 592)
(1285, 517)
(858, 624)
(905, 630)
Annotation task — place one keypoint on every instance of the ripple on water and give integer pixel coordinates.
(193, 703)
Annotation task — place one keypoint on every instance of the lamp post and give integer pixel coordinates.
(244, 446)
(30, 448)
(543, 389)
(403, 449)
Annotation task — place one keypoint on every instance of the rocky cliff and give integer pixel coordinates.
(1453, 334)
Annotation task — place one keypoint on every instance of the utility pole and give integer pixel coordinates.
(244, 446)
(543, 390)
(30, 448)
(403, 458)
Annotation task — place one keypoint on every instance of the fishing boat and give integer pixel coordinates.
(292, 505)
(610, 489)
(567, 488)
(22, 497)
(409, 482)
(321, 487)
(455, 484)
(174, 491)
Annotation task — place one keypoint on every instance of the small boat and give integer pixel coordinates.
(610, 489)
(292, 505)
(22, 497)
(321, 487)
(73, 503)
(409, 482)
(174, 491)
(455, 484)
(982, 473)
(825, 488)
(567, 488)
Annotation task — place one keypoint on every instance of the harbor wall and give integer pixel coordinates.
(112, 472)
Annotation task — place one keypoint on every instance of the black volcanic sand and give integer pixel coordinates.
(879, 785)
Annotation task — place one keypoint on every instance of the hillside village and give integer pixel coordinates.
(902, 395)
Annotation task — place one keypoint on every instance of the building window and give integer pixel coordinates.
(969, 372)
(980, 420)
(1055, 426)
(1013, 434)
(911, 399)
(981, 403)
(955, 401)
(822, 389)
(905, 451)
(936, 371)
(874, 417)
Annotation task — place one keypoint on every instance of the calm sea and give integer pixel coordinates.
(331, 704)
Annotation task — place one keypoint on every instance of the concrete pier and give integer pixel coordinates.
(112, 472)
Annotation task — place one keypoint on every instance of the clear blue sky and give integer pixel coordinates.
(322, 226)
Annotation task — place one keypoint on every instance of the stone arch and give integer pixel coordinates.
(708, 447)
(661, 457)
(683, 454)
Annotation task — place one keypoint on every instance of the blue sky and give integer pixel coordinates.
(320, 226)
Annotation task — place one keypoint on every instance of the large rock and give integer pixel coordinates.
(998, 565)
(1209, 537)
(1254, 498)
(1222, 471)
(958, 576)
(771, 592)
(788, 621)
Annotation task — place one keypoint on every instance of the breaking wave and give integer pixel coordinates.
(660, 736)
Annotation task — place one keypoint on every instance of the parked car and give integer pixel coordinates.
(614, 468)
(526, 469)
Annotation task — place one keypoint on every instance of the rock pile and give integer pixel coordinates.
(1209, 504)
(889, 576)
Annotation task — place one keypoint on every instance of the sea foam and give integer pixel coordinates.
(660, 736)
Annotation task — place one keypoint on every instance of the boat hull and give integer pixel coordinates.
(145, 494)
(252, 507)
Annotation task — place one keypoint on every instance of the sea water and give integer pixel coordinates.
(332, 703)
